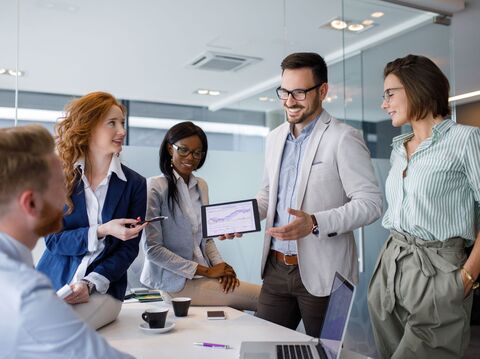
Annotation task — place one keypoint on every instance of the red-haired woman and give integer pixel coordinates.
(100, 237)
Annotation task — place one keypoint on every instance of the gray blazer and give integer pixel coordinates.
(337, 184)
(168, 244)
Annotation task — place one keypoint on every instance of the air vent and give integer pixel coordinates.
(215, 61)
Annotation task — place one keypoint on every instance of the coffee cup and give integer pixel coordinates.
(155, 317)
(181, 305)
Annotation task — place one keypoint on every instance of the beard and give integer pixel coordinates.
(50, 220)
(306, 116)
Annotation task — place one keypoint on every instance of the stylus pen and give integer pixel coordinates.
(154, 219)
(212, 345)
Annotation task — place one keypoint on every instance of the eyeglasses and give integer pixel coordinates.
(184, 152)
(297, 94)
(387, 95)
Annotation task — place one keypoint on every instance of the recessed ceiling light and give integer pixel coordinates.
(338, 24)
(355, 27)
(263, 98)
(3, 71)
(202, 92)
(377, 14)
(367, 22)
(271, 99)
(213, 92)
(15, 73)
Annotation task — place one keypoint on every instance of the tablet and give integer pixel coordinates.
(230, 217)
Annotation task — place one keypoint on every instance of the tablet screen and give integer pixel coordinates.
(230, 217)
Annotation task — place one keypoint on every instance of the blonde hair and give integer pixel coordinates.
(24, 162)
(74, 132)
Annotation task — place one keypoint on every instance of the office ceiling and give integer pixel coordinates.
(140, 50)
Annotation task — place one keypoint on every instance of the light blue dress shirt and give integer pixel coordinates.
(34, 322)
(290, 167)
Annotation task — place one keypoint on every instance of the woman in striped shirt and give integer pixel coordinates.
(420, 295)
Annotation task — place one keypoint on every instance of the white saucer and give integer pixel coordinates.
(168, 326)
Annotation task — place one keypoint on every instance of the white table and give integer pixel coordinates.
(125, 334)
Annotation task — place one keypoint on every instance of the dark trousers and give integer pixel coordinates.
(285, 301)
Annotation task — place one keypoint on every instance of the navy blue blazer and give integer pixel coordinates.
(65, 250)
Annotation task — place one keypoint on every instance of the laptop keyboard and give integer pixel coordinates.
(294, 352)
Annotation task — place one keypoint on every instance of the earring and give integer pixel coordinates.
(171, 162)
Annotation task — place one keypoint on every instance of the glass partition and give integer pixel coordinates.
(8, 62)
(153, 56)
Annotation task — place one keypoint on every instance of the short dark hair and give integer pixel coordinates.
(309, 60)
(426, 87)
(176, 133)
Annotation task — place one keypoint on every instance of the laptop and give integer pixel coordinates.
(331, 334)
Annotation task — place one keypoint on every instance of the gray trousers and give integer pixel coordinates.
(416, 299)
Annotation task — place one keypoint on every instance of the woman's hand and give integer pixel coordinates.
(217, 271)
(467, 284)
(119, 228)
(79, 295)
(472, 266)
(229, 283)
(468, 280)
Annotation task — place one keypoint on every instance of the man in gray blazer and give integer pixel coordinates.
(318, 186)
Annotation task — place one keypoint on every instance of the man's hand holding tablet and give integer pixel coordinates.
(230, 236)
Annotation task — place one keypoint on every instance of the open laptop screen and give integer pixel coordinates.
(337, 315)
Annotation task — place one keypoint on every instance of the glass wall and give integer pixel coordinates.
(8, 62)
(152, 56)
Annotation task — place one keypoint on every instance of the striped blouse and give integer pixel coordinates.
(439, 197)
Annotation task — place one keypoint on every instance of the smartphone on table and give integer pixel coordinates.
(215, 314)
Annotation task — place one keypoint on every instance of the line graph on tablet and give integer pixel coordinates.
(230, 218)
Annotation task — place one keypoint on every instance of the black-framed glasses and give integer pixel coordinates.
(387, 95)
(184, 152)
(297, 94)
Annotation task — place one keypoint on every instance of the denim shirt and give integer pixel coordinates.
(290, 167)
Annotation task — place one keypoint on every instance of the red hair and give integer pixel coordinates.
(73, 133)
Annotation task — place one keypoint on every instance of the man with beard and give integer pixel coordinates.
(319, 185)
(34, 322)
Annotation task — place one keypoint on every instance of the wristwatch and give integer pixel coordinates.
(90, 285)
(315, 230)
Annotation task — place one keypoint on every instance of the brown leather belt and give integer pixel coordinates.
(289, 260)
